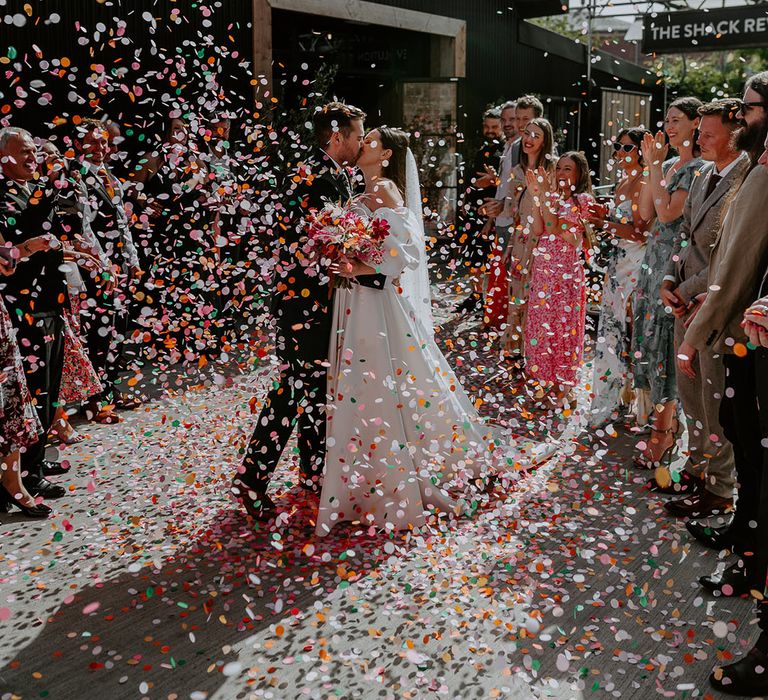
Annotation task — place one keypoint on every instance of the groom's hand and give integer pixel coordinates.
(347, 267)
(344, 267)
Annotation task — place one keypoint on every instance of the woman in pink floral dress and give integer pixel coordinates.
(554, 333)
(19, 424)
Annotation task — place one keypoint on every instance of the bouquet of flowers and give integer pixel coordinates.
(336, 233)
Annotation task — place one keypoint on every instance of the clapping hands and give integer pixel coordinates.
(654, 149)
(490, 178)
(539, 182)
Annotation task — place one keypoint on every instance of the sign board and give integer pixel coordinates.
(715, 30)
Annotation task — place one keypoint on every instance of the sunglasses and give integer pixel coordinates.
(626, 147)
(746, 107)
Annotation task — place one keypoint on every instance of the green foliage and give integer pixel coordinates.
(711, 75)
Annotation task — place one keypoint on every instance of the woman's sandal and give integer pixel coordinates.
(642, 462)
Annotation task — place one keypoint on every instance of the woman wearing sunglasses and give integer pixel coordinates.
(653, 343)
(626, 231)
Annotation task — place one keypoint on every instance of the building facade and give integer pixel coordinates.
(433, 66)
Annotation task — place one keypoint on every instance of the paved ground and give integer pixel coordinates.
(149, 583)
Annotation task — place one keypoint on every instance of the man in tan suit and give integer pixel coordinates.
(747, 676)
(708, 477)
(735, 270)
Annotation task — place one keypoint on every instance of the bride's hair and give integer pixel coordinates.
(397, 141)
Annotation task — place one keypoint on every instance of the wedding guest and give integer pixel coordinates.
(747, 676)
(116, 158)
(736, 266)
(232, 226)
(499, 220)
(653, 342)
(79, 381)
(475, 231)
(707, 478)
(20, 428)
(36, 294)
(515, 118)
(170, 196)
(626, 231)
(554, 330)
(103, 317)
(538, 142)
(527, 108)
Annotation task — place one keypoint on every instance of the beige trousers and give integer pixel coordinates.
(710, 454)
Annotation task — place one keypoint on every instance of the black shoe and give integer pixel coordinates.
(702, 504)
(717, 538)
(43, 487)
(53, 468)
(732, 583)
(254, 499)
(747, 677)
(39, 510)
(474, 302)
(685, 486)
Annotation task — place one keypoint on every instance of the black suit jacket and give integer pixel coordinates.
(317, 182)
(110, 223)
(301, 303)
(38, 285)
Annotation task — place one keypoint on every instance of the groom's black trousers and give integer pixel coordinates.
(299, 394)
(298, 397)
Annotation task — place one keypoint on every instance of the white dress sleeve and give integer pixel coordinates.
(400, 251)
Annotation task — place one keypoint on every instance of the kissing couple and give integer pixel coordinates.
(387, 436)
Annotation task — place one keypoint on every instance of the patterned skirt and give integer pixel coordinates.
(79, 380)
(19, 424)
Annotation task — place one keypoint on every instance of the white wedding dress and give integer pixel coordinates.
(403, 437)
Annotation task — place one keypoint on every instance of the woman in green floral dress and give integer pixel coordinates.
(653, 347)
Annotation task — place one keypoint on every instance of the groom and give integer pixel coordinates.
(303, 308)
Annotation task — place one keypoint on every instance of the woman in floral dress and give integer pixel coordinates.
(554, 330)
(537, 151)
(19, 424)
(653, 333)
(626, 232)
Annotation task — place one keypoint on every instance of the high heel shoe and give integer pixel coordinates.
(642, 462)
(39, 510)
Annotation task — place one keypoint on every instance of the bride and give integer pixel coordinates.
(405, 443)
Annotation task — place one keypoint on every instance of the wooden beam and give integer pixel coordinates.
(373, 13)
(262, 50)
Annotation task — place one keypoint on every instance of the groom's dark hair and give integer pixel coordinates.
(333, 117)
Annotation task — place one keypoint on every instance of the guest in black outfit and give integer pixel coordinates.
(36, 295)
(229, 202)
(302, 308)
(104, 319)
(173, 206)
(474, 231)
(735, 269)
(749, 675)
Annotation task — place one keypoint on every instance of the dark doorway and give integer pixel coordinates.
(359, 63)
